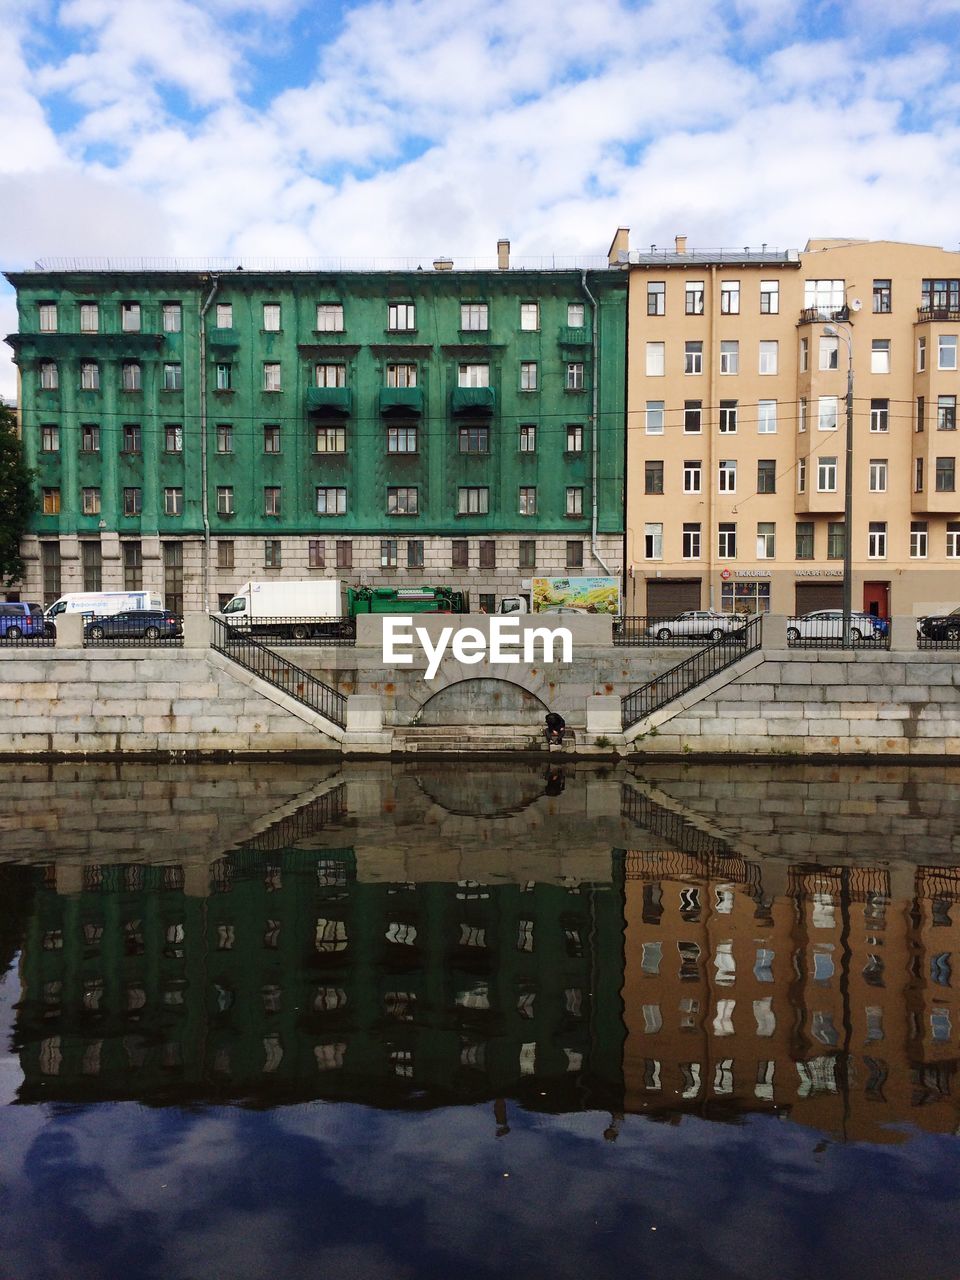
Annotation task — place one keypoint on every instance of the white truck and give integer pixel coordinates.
(291, 610)
(565, 595)
(101, 604)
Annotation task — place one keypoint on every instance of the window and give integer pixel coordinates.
(344, 554)
(921, 354)
(473, 375)
(271, 376)
(402, 500)
(574, 380)
(801, 475)
(693, 357)
(89, 317)
(945, 476)
(767, 475)
(804, 354)
(132, 438)
(877, 474)
(528, 375)
(401, 316)
(130, 317)
(918, 539)
(415, 553)
(767, 417)
(49, 376)
(730, 297)
(330, 317)
(330, 439)
(836, 539)
(691, 541)
(224, 437)
(727, 540)
(172, 378)
(656, 298)
(388, 553)
(769, 357)
(730, 356)
(527, 554)
(947, 351)
(693, 298)
(946, 413)
(271, 500)
(173, 502)
(574, 438)
(920, 413)
(89, 438)
(89, 375)
(528, 438)
(692, 416)
(825, 297)
(953, 539)
(488, 553)
(224, 554)
(529, 315)
(473, 500)
(528, 500)
(335, 375)
(224, 377)
(827, 413)
(882, 298)
(130, 376)
(473, 317)
(826, 475)
(92, 558)
(171, 317)
(804, 540)
(133, 566)
(941, 295)
(47, 317)
(132, 502)
(801, 414)
(271, 439)
(918, 475)
(877, 540)
(880, 355)
(271, 317)
(403, 439)
(172, 438)
(272, 554)
(460, 554)
(50, 568)
(90, 501)
(49, 439)
(728, 417)
(692, 475)
(769, 297)
(576, 314)
(653, 476)
(574, 503)
(653, 541)
(879, 415)
(224, 315)
(225, 500)
(727, 475)
(656, 359)
(331, 501)
(766, 540)
(654, 418)
(829, 353)
(574, 555)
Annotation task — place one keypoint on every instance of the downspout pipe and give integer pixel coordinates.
(204, 499)
(594, 425)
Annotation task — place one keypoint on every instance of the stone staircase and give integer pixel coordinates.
(471, 739)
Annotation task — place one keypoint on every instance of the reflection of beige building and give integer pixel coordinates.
(736, 427)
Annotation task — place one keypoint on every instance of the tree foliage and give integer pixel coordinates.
(17, 497)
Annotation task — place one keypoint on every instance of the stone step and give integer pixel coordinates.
(469, 738)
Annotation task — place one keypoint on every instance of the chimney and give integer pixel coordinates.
(681, 243)
(503, 255)
(619, 245)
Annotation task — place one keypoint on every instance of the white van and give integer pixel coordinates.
(102, 603)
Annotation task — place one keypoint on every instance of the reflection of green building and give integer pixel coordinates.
(293, 980)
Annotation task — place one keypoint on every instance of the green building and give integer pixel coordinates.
(193, 430)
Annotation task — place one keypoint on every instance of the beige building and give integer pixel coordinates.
(738, 368)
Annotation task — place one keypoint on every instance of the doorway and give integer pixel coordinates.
(876, 599)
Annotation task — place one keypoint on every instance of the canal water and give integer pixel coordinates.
(479, 1020)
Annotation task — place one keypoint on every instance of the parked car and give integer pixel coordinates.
(20, 618)
(827, 624)
(940, 626)
(148, 624)
(697, 622)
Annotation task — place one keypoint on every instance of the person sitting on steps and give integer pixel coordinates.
(555, 725)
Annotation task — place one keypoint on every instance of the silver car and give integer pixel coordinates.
(697, 623)
(827, 624)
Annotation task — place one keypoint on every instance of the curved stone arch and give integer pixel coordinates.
(516, 701)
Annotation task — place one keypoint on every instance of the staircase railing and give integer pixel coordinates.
(694, 670)
(280, 672)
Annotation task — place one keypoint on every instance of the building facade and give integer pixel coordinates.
(191, 431)
(739, 368)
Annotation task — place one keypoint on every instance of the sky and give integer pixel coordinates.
(390, 130)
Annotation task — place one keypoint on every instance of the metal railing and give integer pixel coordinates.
(280, 672)
(94, 638)
(938, 312)
(866, 632)
(693, 671)
(672, 632)
(340, 631)
(819, 315)
(42, 641)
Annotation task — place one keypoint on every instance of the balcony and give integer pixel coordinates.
(330, 400)
(224, 339)
(570, 336)
(401, 400)
(926, 314)
(824, 315)
(473, 400)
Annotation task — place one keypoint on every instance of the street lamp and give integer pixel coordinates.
(843, 331)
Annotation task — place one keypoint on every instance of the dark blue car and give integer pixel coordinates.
(146, 624)
(17, 618)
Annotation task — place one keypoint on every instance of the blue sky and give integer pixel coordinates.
(411, 128)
